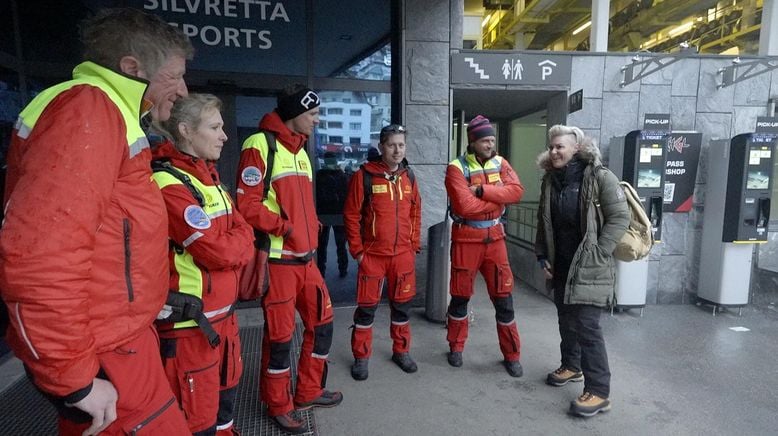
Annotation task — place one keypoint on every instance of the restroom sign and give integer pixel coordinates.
(510, 68)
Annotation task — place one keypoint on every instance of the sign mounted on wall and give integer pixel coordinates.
(510, 68)
(575, 101)
(249, 36)
(683, 156)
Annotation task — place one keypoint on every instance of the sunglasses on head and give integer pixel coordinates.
(393, 128)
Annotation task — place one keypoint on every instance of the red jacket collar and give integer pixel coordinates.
(205, 171)
(292, 141)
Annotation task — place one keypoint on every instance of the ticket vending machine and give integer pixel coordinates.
(737, 212)
(639, 159)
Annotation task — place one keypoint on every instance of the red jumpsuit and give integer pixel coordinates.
(385, 232)
(205, 260)
(83, 252)
(478, 244)
(288, 217)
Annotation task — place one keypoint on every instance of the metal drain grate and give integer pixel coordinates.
(250, 419)
(24, 411)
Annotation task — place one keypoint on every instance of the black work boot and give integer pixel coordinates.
(513, 367)
(359, 369)
(404, 361)
(455, 358)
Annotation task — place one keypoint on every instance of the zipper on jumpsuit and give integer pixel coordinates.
(127, 257)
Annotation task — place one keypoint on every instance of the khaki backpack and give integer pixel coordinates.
(638, 239)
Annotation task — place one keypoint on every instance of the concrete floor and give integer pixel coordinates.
(678, 370)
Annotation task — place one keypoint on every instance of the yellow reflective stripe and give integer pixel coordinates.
(124, 92)
(216, 203)
(190, 281)
(277, 176)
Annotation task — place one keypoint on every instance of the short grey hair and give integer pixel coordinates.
(188, 110)
(561, 130)
(114, 33)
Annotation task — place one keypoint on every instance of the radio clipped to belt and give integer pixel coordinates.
(180, 307)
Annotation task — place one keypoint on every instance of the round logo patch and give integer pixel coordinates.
(251, 176)
(196, 217)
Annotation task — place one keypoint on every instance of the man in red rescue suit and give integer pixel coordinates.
(480, 183)
(285, 214)
(382, 216)
(84, 245)
(209, 243)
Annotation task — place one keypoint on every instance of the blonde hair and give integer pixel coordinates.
(188, 110)
(561, 130)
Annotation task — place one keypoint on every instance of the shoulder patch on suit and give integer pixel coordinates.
(196, 217)
(251, 176)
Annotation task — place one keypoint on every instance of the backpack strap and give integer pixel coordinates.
(165, 166)
(367, 187)
(367, 184)
(465, 167)
(272, 148)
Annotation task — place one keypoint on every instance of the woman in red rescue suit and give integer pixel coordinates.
(209, 243)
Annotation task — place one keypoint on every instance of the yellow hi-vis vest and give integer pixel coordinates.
(126, 94)
(285, 164)
(474, 173)
(190, 277)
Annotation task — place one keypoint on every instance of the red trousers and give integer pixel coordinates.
(294, 287)
(400, 274)
(146, 404)
(491, 259)
(198, 373)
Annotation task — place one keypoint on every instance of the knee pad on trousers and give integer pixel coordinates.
(458, 307)
(322, 339)
(399, 312)
(364, 315)
(503, 307)
(279, 355)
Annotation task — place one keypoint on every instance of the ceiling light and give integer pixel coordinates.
(486, 20)
(582, 27)
(681, 29)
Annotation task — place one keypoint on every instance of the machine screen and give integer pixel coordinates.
(757, 180)
(649, 178)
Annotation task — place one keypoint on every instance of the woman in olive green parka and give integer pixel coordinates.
(581, 216)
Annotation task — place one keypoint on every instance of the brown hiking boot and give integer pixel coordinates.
(326, 399)
(562, 376)
(589, 404)
(290, 424)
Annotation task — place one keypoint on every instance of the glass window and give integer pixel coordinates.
(335, 125)
(335, 111)
(377, 66)
(322, 111)
(322, 124)
(374, 109)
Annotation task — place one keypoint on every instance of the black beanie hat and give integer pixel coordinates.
(478, 128)
(292, 105)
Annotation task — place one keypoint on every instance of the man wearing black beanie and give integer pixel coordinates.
(480, 184)
(283, 215)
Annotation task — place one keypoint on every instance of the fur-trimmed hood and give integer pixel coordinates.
(588, 153)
